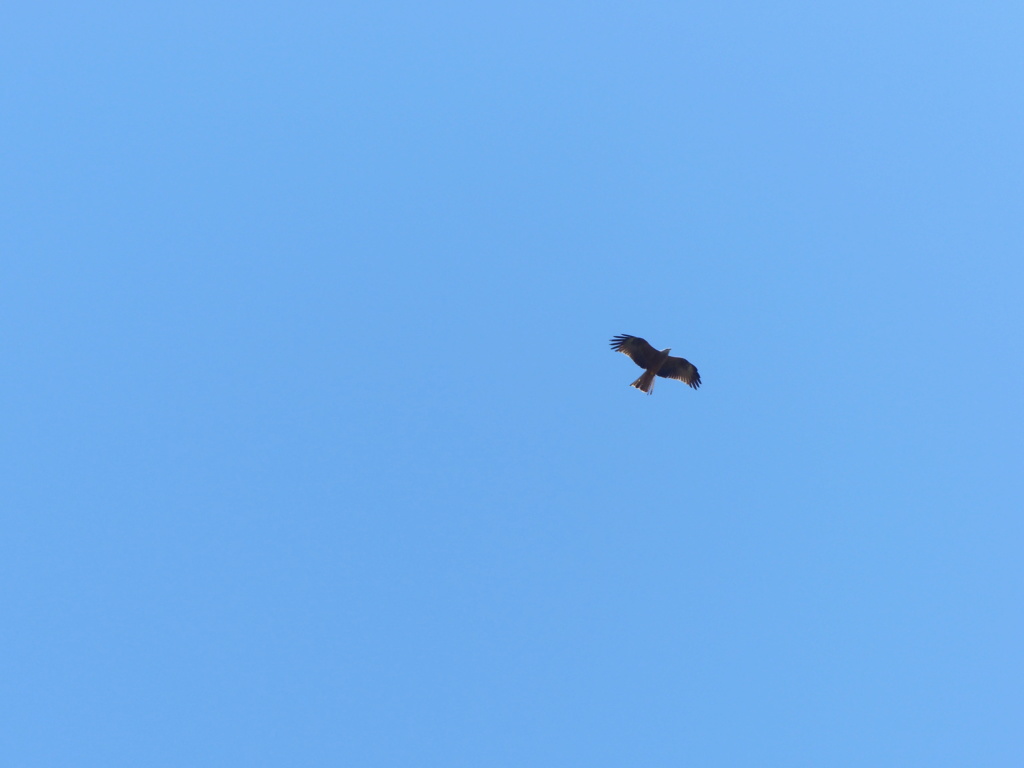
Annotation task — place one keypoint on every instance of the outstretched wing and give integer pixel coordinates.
(638, 350)
(678, 368)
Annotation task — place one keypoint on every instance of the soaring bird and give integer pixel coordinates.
(655, 363)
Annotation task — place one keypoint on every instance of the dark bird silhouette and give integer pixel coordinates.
(655, 363)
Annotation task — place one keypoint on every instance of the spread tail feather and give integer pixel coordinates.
(645, 383)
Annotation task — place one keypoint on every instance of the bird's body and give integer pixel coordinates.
(655, 363)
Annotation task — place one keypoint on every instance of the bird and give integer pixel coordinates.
(655, 363)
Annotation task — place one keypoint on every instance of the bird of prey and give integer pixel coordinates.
(654, 363)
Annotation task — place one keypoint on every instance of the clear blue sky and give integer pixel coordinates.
(315, 454)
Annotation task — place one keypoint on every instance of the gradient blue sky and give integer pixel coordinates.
(314, 450)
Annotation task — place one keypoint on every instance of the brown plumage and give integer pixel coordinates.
(655, 363)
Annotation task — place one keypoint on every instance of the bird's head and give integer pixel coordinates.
(666, 351)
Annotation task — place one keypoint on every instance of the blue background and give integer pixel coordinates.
(315, 454)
